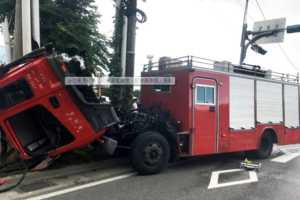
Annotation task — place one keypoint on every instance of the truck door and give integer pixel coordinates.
(205, 110)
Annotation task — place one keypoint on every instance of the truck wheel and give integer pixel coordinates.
(149, 153)
(265, 146)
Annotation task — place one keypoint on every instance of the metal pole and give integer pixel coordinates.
(18, 49)
(244, 36)
(131, 40)
(6, 37)
(124, 40)
(35, 11)
(124, 46)
(26, 27)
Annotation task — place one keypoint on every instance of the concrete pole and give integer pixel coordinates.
(7, 45)
(131, 40)
(18, 48)
(118, 3)
(124, 40)
(124, 46)
(35, 13)
(26, 26)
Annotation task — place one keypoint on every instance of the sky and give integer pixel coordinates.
(209, 29)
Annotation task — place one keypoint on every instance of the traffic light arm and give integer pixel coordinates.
(254, 39)
(266, 31)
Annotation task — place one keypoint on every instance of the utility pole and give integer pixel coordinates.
(18, 48)
(35, 21)
(123, 45)
(26, 26)
(131, 40)
(244, 35)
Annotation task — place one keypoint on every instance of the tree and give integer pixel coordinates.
(72, 26)
(137, 93)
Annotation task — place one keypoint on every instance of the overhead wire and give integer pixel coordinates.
(278, 43)
(215, 13)
(243, 9)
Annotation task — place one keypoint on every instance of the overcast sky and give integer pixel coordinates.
(209, 29)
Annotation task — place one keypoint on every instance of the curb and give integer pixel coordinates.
(47, 174)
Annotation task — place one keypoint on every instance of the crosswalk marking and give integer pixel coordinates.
(285, 157)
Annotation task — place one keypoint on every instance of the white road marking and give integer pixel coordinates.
(285, 157)
(215, 176)
(81, 187)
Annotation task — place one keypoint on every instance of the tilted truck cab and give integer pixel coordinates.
(42, 116)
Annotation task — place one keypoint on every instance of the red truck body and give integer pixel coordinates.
(209, 132)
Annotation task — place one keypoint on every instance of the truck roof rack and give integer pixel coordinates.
(194, 62)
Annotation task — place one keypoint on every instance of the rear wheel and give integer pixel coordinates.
(265, 146)
(150, 153)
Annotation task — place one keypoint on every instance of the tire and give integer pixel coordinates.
(265, 146)
(149, 153)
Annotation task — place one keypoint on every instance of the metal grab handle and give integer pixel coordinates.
(211, 109)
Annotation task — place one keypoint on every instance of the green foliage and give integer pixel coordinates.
(72, 26)
(7, 8)
(137, 93)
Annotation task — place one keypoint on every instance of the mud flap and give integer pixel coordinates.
(106, 144)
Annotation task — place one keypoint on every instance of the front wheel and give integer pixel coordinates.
(265, 146)
(149, 153)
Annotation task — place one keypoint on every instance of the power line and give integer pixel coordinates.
(288, 58)
(278, 43)
(260, 10)
(215, 13)
(244, 9)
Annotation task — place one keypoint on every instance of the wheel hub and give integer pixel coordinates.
(152, 154)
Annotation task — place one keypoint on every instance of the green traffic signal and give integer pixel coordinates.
(258, 49)
(293, 28)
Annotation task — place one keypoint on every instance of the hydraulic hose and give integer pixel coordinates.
(20, 181)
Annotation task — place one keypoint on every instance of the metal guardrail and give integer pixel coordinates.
(194, 62)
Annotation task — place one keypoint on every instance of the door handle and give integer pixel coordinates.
(211, 109)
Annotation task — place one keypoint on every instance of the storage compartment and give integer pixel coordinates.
(184, 142)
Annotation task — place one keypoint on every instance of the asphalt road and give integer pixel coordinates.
(190, 179)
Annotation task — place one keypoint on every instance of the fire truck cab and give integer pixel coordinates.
(224, 107)
(40, 115)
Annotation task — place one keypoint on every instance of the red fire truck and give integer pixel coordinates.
(224, 107)
(214, 107)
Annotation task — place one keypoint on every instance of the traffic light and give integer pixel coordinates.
(293, 28)
(258, 49)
